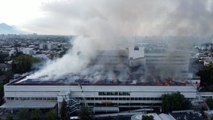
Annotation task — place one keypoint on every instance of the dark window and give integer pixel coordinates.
(136, 48)
(114, 93)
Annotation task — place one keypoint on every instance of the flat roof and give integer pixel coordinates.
(72, 81)
(187, 116)
(104, 109)
(166, 117)
(161, 116)
(28, 104)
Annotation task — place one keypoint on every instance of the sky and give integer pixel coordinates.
(17, 12)
(146, 17)
(21, 12)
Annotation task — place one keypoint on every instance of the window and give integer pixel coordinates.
(114, 93)
(136, 48)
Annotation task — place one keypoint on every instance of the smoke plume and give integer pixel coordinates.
(110, 24)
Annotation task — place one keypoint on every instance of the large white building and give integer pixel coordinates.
(109, 97)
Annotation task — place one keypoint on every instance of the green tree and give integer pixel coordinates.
(36, 114)
(175, 101)
(145, 117)
(51, 115)
(210, 103)
(23, 63)
(23, 114)
(9, 117)
(85, 113)
(206, 77)
(3, 56)
(64, 111)
(1, 94)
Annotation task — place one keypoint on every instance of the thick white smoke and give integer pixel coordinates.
(137, 17)
(106, 24)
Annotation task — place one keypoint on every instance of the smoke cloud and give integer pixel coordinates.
(108, 24)
(141, 17)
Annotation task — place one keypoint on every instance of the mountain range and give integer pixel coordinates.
(8, 29)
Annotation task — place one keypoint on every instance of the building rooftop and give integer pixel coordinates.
(161, 116)
(29, 104)
(187, 115)
(83, 80)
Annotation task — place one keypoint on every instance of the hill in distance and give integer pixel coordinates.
(7, 29)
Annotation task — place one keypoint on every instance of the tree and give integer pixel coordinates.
(23, 63)
(64, 111)
(85, 113)
(175, 101)
(36, 115)
(3, 56)
(206, 76)
(51, 115)
(145, 117)
(1, 94)
(9, 117)
(23, 114)
(210, 103)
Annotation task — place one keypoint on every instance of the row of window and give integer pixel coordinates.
(114, 93)
(120, 98)
(124, 104)
(31, 98)
(88, 98)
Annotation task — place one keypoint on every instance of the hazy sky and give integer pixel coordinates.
(147, 17)
(22, 12)
(16, 12)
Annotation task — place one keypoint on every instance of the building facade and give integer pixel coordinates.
(113, 97)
